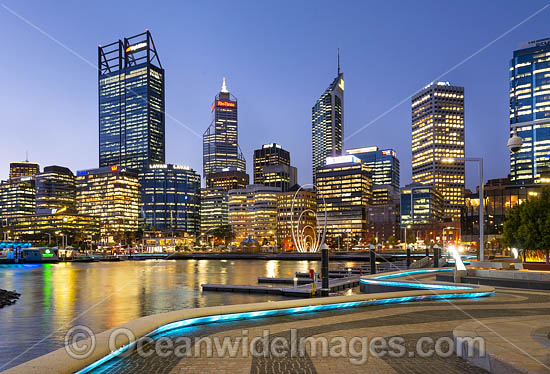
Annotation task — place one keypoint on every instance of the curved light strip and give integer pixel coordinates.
(409, 272)
(278, 312)
(418, 285)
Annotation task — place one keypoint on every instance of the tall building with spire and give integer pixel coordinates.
(131, 103)
(327, 123)
(220, 142)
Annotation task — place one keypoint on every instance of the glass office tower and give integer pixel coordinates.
(385, 172)
(269, 154)
(530, 111)
(437, 135)
(112, 194)
(327, 123)
(131, 103)
(170, 198)
(55, 190)
(220, 142)
(344, 188)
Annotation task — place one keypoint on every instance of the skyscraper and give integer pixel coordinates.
(23, 169)
(344, 188)
(55, 190)
(384, 165)
(530, 111)
(214, 211)
(438, 135)
(327, 123)
(269, 154)
(227, 179)
(170, 198)
(131, 103)
(253, 212)
(112, 194)
(220, 142)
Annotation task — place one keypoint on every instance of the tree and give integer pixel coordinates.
(392, 240)
(224, 232)
(411, 239)
(527, 225)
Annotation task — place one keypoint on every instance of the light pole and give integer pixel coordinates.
(451, 160)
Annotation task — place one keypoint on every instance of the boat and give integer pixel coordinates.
(33, 255)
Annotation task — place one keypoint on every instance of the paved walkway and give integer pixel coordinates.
(410, 322)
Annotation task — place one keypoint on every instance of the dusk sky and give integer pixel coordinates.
(278, 58)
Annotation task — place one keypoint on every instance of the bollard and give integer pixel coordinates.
(436, 256)
(324, 270)
(408, 257)
(372, 261)
(295, 282)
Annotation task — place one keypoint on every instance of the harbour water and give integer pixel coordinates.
(102, 295)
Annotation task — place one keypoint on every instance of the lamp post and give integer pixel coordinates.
(451, 160)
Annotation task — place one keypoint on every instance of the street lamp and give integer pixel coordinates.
(450, 160)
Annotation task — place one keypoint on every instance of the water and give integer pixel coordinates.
(55, 297)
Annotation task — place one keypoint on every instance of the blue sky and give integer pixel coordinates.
(278, 57)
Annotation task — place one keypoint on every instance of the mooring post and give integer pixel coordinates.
(372, 259)
(324, 270)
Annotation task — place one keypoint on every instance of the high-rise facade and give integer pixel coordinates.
(55, 190)
(227, 179)
(23, 169)
(327, 123)
(214, 211)
(131, 103)
(112, 194)
(384, 166)
(253, 213)
(220, 142)
(302, 216)
(269, 154)
(280, 176)
(17, 197)
(530, 111)
(344, 188)
(170, 198)
(437, 136)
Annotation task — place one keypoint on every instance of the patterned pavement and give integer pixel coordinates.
(409, 322)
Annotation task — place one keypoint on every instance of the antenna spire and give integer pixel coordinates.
(224, 86)
(27, 156)
(338, 60)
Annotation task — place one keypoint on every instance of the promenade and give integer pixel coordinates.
(425, 330)
(433, 320)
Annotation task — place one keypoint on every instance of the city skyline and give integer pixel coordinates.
(259, 121)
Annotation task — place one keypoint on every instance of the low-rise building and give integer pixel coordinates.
(49, 226)
(500, 195)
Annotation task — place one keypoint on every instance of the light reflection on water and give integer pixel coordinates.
(55, 297)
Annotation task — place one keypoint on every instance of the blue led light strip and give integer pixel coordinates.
(313, 308)
(410, 272)
(278, 312)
